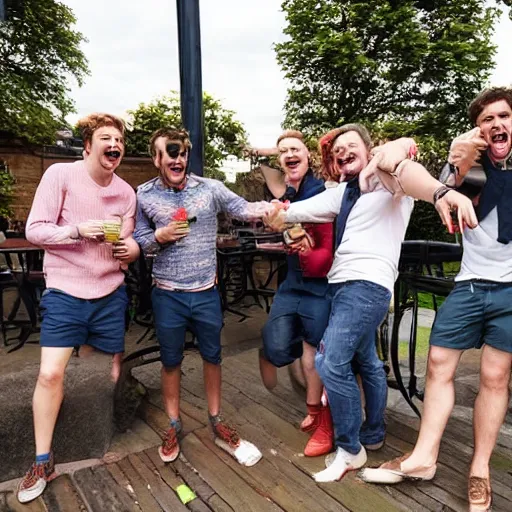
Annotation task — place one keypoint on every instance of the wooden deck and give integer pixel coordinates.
(281, 481)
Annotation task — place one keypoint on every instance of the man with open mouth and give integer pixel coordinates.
(177, 222)
(85, 299)
(477, 313)
(373, 205)
(300, 309)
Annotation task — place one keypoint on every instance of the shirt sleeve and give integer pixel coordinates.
(236, 206)
(318, 261)
(144, 233)
(129, 218)
(42, 224)
(318, 209)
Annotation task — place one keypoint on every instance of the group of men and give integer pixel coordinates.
(343, 238)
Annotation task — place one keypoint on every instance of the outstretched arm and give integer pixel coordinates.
(236, 206)
(412, 179)
(321, 208)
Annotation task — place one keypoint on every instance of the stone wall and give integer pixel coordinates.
(28, 165)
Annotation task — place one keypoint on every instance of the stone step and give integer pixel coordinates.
(86, 421)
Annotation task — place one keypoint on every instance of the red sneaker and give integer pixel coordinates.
(322, 440)
(170, 449)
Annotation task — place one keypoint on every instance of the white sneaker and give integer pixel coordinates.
(227, 438)
(341, 464)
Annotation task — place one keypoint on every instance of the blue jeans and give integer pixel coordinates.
(294, 317)
(357, 309)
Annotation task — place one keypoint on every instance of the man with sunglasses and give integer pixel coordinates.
(177, 221)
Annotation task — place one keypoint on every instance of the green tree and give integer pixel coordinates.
(39, 52)
(415, 61)
(223, 134)
(7, 182)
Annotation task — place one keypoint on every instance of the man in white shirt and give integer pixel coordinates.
(370, 230)
(477, 313)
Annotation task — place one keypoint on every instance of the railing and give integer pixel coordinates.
(423, 268)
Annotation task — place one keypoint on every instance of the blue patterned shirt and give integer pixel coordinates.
(191, 262)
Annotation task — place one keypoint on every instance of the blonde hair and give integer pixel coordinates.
(291, 134)
(89, 124)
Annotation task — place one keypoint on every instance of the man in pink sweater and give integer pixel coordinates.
(85, 300)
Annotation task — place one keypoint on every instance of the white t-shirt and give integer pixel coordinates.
(484, 257)
(373, 236)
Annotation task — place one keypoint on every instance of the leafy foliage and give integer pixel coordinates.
(223, 134)
(39, 52)
(401, 67)
(6, 190)
(412, 61)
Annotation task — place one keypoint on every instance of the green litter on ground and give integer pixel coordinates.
(185, 493)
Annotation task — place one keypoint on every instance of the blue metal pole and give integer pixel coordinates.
(2, 10)
(191, 89)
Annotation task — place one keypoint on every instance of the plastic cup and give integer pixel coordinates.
(112, 231)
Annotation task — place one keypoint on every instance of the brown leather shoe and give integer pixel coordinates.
(479, 494)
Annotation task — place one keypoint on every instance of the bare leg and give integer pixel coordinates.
(117, 360)
(48, 395)
(438, 405)
(212, 374)
(268, 372)
(490, 406)
(86, 351)
(314, 386)
(171, 379)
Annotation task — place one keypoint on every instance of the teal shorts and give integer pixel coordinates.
(475, 312)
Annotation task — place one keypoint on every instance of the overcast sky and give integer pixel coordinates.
(133, 57)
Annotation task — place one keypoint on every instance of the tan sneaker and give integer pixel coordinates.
(391, 472)
(34, 482)
(479, 494)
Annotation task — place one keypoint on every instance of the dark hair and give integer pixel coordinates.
(486, 97)
(171, 133)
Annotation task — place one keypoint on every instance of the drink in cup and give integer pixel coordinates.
(112, 230)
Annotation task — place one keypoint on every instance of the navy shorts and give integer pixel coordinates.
(174, 312)
(294, 317)
(475, 312)
(69, 321)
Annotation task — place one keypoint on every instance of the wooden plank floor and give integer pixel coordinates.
(281, 481)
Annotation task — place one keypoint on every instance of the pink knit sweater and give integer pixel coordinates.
(65, 197)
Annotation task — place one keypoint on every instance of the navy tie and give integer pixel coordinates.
(350, 196)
